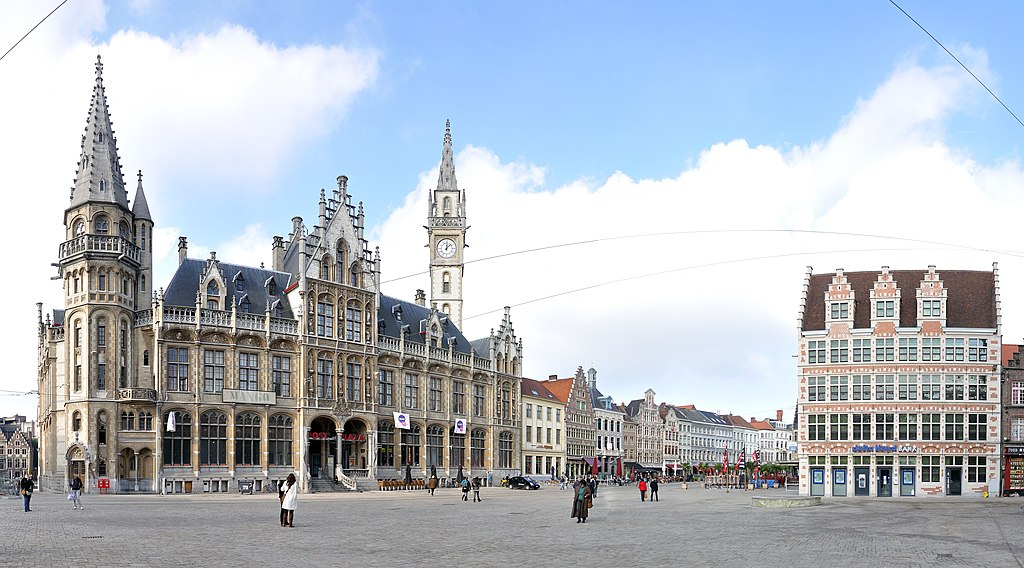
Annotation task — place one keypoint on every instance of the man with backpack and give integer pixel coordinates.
(465, 489)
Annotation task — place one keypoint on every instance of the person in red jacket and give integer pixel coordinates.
(643, 489)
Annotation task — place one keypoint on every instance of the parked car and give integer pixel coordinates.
(522, 482)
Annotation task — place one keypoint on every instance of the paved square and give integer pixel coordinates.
(521, 528)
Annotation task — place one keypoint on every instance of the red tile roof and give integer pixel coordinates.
(561, 388)
(1007, 353)
(761, 425)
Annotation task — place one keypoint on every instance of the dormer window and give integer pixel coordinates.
(885, 308)
(103, 186)
(271, 287)
(212, 289)
(931, 308)
(244, 306)
(840, 310)
(239, 282)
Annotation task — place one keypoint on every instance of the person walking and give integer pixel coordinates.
(561, 486)
(476, 489)
(642, 486)
(26, 491)
(289, 500)
(465, 489)
(593, 486)
(582, 501)
(432, 484)
(654, 489)
(76, 492)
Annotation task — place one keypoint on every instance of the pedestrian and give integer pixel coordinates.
(26, 491)
(593, 486)
(465, 489)
(561, 486)
(654, 489)
(582, 501)
(289, 491)
(476, 489)
(642, 486)
(76, 492)
(432, 484)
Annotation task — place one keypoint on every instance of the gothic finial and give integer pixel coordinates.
(99, 69)
(140, 176)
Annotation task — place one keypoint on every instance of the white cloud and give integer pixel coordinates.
(711, 331)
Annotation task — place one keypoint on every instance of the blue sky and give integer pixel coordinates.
(571, 121)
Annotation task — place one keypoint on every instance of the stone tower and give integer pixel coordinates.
(446, 236)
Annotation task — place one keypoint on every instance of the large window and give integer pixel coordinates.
(353, 381)
(816, 427)
(247, 439)
(816, 389)
(213, 438)
(931, 349)
(885, 387)
(908, 427)
(861, 350)
(279, 439)
(435, 445)
(213, 371)
(839, 388)
(458, 397)
(325, 318)
(862, 387)
(411, 445)
(976, 469)
(353, 324)
(839, 427)
(324, 378)
(885, 349)
(1017, 393)
(478, 440)
(412, 391)
(977, 350)
(931, 308)
(954, 427)
(840, 310)
(954, 387)
(1017, 429)
(177, 369)
(505, 450)
(977, 387)
(908, 387)
(838, 351)
(815, 352)
(930, 469)
(178, 442)
(282, 376)
(479, 400)
(861, 426)
(976, 426)
(127, 421)
(248, 371)
(930, 426)
(386, 443)
(458, 450)
(885, 427)
(385, 387)
(505, 402)
(955, 349)
(931, 387)
(435, 395)
(885, 308)
(908, 349)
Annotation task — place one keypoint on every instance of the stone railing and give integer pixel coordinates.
(99, 243)
(438, 353)
(57, 333)
(447, 222)
(251, 321)
(179, 315)
(278, 325)
(481, 363)
(219, 318)
(462, 359)
(143, 318)
(137, 394)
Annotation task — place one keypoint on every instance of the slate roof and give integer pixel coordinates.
(970, 302)
(184, 285)
(713, 417)
(411, 314)
(633, 407)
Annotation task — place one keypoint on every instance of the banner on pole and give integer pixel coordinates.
(401, 420)
(460, 426)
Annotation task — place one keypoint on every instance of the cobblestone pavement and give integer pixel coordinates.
(520, 528)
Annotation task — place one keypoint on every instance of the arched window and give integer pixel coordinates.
(271, 287)
(340, 270)
(142, 284)
(127, 421)
(478, 441)
(213, 438)
(505, 402)
(355, 275)
(178, 442)
(505, 450)
(145, 420)
(353, 322)
(279, 439)
(385, 443)
(76, 421)
(245, 306)
(446, 205)
(325, 267)
(247, 439)
(102, 224)
(435, 445)
(446, 282)
(145, 358)
(212, 295)
(458, 449)
(411, 445)
(124, 231)
(101, 428)
(79, 228)
(447, 309)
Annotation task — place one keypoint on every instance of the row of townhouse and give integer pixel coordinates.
(17, 449)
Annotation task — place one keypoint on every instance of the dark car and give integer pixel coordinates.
(522, 482)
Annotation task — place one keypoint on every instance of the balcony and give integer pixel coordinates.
(102, 244)
(136, 395)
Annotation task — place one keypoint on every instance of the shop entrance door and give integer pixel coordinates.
(817, 481)
(860, 481)
(884, 482)
(953, 480)
(839, 482)
(907, 482)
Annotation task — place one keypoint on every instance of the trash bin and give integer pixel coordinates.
(245, 486)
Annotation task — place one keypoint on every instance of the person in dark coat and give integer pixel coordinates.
(582, 501)
(27, 485)
(654, 489)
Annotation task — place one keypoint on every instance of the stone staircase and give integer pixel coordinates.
(325, 486)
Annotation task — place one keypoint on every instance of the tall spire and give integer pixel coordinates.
(99, 169)
(140, 209)
(446, 178)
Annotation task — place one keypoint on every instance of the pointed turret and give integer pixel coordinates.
(140, 209)
(446, 177)
(99, 169)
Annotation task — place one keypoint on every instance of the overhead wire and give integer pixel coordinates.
(32, 30)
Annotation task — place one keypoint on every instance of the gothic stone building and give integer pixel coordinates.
(899, 383)
(236, 373)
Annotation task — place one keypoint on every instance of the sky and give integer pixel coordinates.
(667, 170)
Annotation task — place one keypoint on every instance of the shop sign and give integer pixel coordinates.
(353, 437)
(321, 436)
(884, 448)
(1016, 450)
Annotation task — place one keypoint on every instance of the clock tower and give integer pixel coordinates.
(446, 236)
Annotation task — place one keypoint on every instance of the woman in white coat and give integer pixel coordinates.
(289, 500)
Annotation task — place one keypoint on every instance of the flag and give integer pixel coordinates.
(170, 421)
(757, 459)
(742, 462)
(460, 426)
(725, 460)
(401, 420)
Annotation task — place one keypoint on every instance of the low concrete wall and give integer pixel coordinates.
(781, 502)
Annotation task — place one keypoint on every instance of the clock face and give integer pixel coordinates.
(446, 248)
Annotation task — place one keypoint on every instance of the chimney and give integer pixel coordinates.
(421, 298)
(778, 415)
(752, 419)
(277, 254)
(552, 377)
(182, 250)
